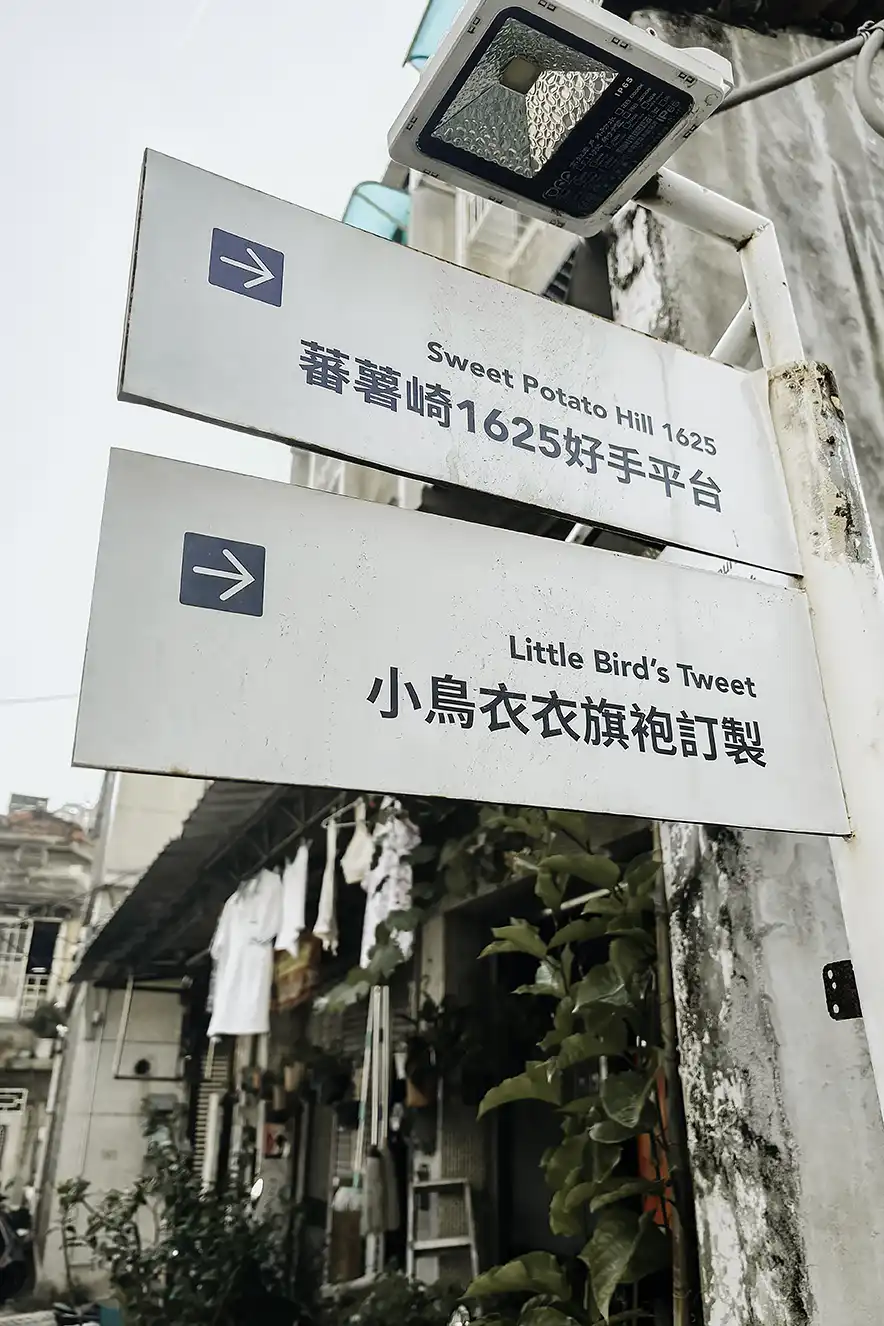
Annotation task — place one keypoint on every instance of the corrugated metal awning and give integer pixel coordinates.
(234, 831)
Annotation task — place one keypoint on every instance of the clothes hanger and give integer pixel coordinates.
(333, 817)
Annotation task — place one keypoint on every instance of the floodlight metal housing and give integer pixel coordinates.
(561, 111)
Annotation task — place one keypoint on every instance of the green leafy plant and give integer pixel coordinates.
(601, 1058)
(602, 1008)
(394, 1300)
(176, 1253)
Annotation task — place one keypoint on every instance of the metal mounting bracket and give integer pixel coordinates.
(842, 996)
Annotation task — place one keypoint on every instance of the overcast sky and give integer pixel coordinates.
(293, 97)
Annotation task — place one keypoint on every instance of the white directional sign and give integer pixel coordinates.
(401, 652)
(248, 311)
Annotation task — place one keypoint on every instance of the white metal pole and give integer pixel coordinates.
(737, 340)
(845, 592)
(754, 238)
(841, 571)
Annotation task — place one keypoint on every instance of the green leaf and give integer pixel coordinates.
(615, 1190)
(632, 1314)
(565, 1160)
(450, 850)
(536, 1272)
(651, 1252)
(575, 932)
(599, 871)
(602, 985)
(611, 1132)
(608, 1252)
(524, 935)
(547, 981)
(633, 932)
(550, 889)
(457, 880)
(641, 873)
(562, 1221)
(575, 823)
(605, 1159)
(563, 1025)
(531, 823)
(540, 1081)
(500, 946)
(406, 918)
(582, 1105)
(544, 1315)
(580, 1194)
(602, 904)
(586, 1045)
(624, 1096)
(628, 958)
(423, 854)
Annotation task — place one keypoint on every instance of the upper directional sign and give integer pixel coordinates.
(389, 357)
(222, 574)
(405, 653)
(246, 267)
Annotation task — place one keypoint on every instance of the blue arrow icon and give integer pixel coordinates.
(246, 267)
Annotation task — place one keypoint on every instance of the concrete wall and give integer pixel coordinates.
(147, 811)
(786, 1139)
(95, 1128)
(99, 1119)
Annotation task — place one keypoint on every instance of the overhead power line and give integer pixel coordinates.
(36, 699)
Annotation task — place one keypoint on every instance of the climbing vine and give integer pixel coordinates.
(600, 1068)
(599, 1064)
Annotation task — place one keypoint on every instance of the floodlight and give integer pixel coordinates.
(561, 111)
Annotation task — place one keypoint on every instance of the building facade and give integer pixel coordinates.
(45, 876)
(787, 1144)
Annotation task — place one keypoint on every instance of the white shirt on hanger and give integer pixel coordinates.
(294, 902)
(242, 950)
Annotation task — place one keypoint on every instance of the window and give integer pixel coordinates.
(27, 951)
(31, 855)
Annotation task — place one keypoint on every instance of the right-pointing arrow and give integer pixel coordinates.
(260, 271)
(240, 575)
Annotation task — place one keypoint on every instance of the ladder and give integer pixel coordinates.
(430, 1247)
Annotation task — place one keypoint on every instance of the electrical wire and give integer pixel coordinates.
(868, 103)
(36, 699)
(792, 74)
(866, 46)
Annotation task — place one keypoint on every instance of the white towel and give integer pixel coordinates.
(356, 861)
(326, 927)
(294, 902)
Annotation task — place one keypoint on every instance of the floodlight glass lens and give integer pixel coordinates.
(523, 98)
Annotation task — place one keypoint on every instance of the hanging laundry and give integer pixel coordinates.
(388, 884)
(358, 854)
(294, 902)
(242, 951)
(326, 927)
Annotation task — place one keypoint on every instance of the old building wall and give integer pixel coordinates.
(786, 1138)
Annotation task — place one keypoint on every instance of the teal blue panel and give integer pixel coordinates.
(380, 210)
(438, 18)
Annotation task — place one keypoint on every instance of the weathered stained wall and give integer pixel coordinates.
(787, 1149)
(786, 1139)
(804, 157)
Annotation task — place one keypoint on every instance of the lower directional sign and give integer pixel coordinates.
(405, 653)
